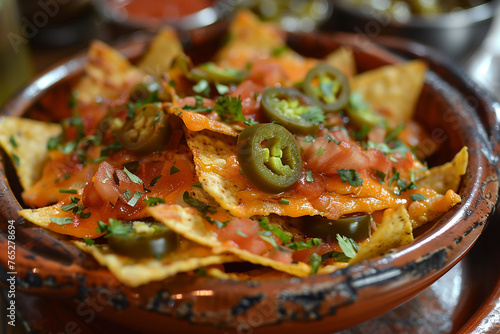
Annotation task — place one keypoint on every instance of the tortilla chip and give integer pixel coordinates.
(135, 272)
(395, 89)
(446, 176)
(198, 122)
(189, 223)
(108, 75)
(343, 60)
(394, 231)
(25, 141)
(161, 53)
(41, 216)
(213, 151)
(249, 40)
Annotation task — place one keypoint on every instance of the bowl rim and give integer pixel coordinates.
(357, 277)
(449, 20)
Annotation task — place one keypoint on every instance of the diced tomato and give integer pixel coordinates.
(250, 94)
(268, 74)
(324, 247)
(281, 254)
(243, 233)
(104, 183)
(326, 156)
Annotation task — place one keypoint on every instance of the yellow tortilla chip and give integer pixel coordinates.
(393, 88)
(189, 223)
(135, 272)
(343, 60)
(25, 141)
(161, 53)
(41, 216)
(249, 40)
(107, 75)
(394, 231)
(446, 176)
(213, 151)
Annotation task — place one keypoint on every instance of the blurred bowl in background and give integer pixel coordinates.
(188, 17)
(457, 33)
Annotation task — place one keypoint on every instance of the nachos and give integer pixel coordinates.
(292, 165)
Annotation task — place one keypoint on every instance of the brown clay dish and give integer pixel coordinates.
(452, 106)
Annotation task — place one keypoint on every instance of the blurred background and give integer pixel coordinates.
(37, 33)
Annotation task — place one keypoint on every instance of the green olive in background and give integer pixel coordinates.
(356, 227)
(328, 87)
(159, 241)
(147, 131)
(269, 157)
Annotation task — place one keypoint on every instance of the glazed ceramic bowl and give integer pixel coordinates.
(452, 107)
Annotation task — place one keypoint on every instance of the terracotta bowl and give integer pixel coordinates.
(455, 110)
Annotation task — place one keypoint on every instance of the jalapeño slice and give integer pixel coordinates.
(328, 87)
(269, 157)
(156, 242)
(356, 227)
(292, 109)
(148, 131)
(360, 113)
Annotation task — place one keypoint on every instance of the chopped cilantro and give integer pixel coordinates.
(89, 242)
(339, 256)
(310, 139)
(394, 133)
(348, 246)
(330, 139)
(13, 142)
(198, 107)
(68, 191)
(241, 234)
(152, 201)
(381, 176)
(221, 89)
(418, 197)
(215, 222)
(69, 206)
(197, 185)
(279, 50)
(307, 244)
(202, 87)
(15, 158)
(314, 261)
(197, 204)
(284, 201)
(229, 109)
(115, 227)
(250, 122)
(127, 194)
(267, 236)
(350, 176)
(134, 178)
(154, 180)
(320, 151)
(174, 170)
(61, 221)
(309, 176)
(135, 198)
(132, 166)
